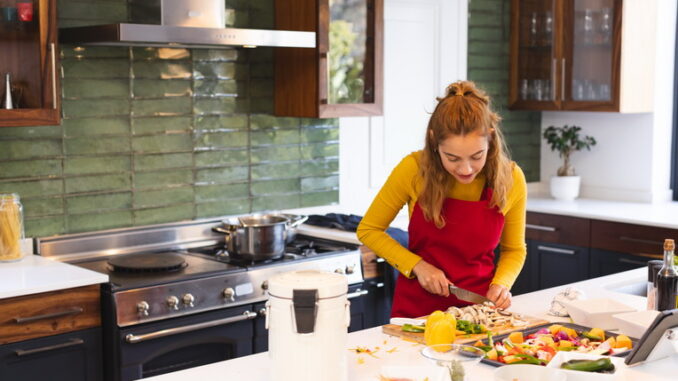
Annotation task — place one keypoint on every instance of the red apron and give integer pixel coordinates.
(463, 249)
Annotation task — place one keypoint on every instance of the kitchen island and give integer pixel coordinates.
(396, 352)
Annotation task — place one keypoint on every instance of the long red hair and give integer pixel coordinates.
(463, 110)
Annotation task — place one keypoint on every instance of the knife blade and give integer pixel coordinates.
(467, 295)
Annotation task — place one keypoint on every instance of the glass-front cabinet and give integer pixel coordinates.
(342, 76)
(581, 54)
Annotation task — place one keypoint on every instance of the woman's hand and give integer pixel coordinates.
(500, 295)
(431, 278)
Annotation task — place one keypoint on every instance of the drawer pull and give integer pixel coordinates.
(632, 262)
(556, 250)
(70, 343)
(357, 294)
(30, 319)
(640, 240)
(541, 227)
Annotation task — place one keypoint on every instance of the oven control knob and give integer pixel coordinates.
(173, 302)
(350, 269)
(188, 300)
(142, 308)
(339, 271)
(264, 286)
(229, 294)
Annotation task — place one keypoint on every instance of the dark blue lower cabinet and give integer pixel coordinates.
(555, 264)
(605, 262)
(73, 356)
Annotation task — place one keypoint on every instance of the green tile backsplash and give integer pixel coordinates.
(152, 135)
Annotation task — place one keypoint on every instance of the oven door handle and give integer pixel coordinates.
(133, 339)
(357, 294)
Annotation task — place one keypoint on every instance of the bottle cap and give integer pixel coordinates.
(669, 244)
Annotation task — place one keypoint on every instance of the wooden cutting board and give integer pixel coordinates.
(395, 330)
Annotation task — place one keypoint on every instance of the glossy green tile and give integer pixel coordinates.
(262, 18)
(261, 88)
(26, 149)
(221, 70)
(219, 105)
(98, 221)
(275, 171)
(314, 135)
(33, 188)
(159, 179)
(241, 19)
(99, 164)
(157, 88)
(229, 17)
(155, 124)
(30, 168)
(109, 10)
(30, 132)
(149, 53)
(229, 54)
(95, 68)
(163, 161)
(275, 154)
(261, 105)
(162, 69)
(114, 182)
(160, 197)
(310, 184)
(97, 145)
(261, 70)
(315, 122)
(260, 121)
(44, 226)
(275, 202)
(239, 4)
(220, 122)
(267, 137)
(91, 203)
(95, 107)
(221, 139)
(96, 88)
(221, 175)
(221, 158)
(165, 214)
(223, 207)
(88, 52)
(319, 167)
(162, 143)
(219, 87)
(36, 207)
(319, 198)
(96, 126)
(221, 192)
(316, 150)
(161, 107)
(262, 188)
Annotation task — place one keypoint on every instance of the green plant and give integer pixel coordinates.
(566, 140)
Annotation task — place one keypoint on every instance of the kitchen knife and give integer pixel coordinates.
(467, 295)
(403, 321)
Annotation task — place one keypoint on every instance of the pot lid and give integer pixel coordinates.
(329, 285)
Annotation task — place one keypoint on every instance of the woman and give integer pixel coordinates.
(464, 197)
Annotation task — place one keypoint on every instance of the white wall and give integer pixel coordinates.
(632, 159)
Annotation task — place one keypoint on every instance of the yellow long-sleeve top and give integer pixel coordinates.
(403, 186)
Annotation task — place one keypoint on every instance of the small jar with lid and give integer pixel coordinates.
(11, 228)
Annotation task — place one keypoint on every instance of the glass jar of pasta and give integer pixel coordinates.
(11, 228)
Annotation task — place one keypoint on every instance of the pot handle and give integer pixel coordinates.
(297, 221)
(219, 229)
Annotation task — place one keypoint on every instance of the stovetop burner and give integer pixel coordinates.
(147, 263)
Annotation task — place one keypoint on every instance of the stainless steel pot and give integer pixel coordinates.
(294, 220)
(258, 237)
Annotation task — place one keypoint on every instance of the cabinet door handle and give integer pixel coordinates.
(30, 319)
(554, 75)
(640, 240)
(562, 77)
(53, 59)
(541, 227)
(631, 261)
(556, 250)
(357, 294)
(70, 343)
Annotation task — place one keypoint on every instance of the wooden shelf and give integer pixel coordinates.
(22, 117)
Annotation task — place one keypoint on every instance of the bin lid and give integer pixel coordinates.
(329, 285)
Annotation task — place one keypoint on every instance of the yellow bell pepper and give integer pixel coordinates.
(441, 328)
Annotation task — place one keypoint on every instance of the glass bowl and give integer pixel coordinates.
(456, 358)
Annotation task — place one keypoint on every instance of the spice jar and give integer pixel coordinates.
(11, 228)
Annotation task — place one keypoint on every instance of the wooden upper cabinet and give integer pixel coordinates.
(29, 51)
(343, 75)
(585, 55)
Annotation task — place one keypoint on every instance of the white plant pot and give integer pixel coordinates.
(565, 188)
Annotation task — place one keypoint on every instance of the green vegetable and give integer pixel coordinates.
(490, 340)
(485, 348)
(527, 359)
(600, 365)
(566, 349)
(413, 328)
(591, 337)
(471, 328)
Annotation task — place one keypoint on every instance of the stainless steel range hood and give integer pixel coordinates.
(186, 23)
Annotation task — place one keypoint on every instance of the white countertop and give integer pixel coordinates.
(256, 367)
(35, 274)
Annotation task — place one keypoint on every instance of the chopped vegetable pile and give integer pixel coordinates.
(540, 347)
